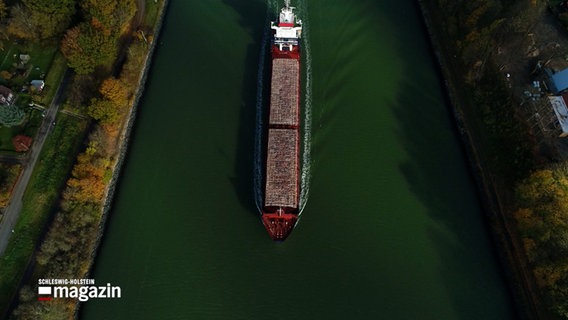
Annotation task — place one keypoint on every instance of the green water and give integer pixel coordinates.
(392, 228)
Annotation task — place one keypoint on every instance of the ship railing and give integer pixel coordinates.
(286, 41)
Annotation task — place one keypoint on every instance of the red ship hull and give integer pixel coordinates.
(280, 221)
(281, 206)
(279, 225)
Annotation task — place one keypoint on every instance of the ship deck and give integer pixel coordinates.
(282, 179)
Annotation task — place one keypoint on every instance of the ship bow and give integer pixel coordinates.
(279, 226)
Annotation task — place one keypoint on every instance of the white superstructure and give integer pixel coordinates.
(561, 111)
(288, 31)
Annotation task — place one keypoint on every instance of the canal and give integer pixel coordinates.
(392, 228)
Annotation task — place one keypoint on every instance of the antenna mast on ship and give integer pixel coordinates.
(287, 2)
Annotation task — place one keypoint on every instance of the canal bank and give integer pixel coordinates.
(126, 133)
(392, 226)
(509, 248)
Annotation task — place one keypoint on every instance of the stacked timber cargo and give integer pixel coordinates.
(282, 180)
(282, 169)
(283, 143)
(284, 92)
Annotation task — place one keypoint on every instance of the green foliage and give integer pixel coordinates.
(20, 24)
(47, 179)
(54, 310)
(131, 69)
(477, 28)
(543, 223)
(3, 10)
(11, 115)
(8, 175)
(93, 42)
(112, 16)
(62, 143)
(112, 104)
(53, 78)
(50, 17)
(473, 32)
(151, 13)
(471, 24)
(87, 47)
(66, 250)
(563, 18)
(509, 143)
(41, 19)
(103, 110)
(81, 90)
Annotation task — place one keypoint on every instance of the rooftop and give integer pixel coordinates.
(558, 80)
(561, 110)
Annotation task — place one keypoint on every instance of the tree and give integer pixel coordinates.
(3, 10)
(11, 115)
(86, 47)
(136, 57)
(87, 181)
(20, 24)
(111, 15)
(125, 11)
(81, 89)
(50, 17)
(93, 42)
(41, 19)
(3, 31)
(543, 223)
(115, 91)
(103, 110)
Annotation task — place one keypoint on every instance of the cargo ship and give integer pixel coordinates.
(281, 203)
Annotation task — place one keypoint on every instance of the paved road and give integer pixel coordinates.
(12, 211)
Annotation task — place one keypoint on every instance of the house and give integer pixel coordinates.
(37, 85)
(560, 107)
(557, 82)
(6, 95)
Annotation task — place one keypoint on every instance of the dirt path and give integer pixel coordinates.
(140, 12)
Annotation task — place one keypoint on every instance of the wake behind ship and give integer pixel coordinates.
(282, 179)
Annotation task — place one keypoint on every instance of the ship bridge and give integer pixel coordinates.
(288, 31)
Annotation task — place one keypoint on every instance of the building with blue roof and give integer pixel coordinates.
(557, 82)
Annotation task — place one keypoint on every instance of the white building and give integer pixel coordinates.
(560, 108)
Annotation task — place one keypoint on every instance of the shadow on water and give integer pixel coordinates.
(252, 14)
(437, 173)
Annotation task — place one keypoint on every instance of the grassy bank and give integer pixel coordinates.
(53, 78)
(43, 190)
(8, 175)
(67, 250)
